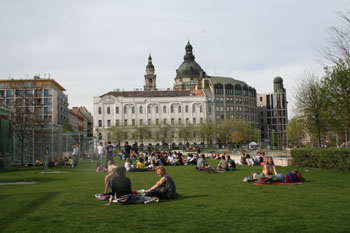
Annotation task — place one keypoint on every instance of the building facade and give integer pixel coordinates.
(272, 113)
(81, 121)
(196, 97)
(45, 97)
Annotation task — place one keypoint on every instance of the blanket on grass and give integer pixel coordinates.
(274, 183)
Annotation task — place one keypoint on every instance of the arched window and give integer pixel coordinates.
(125, 110)
(148, 109)
(186, 108)
(116, 110)
(238, 89)
(179, 110)
(219, 89)
(229, 89)
(193, 108)
(141, 110)
(157, 110)
(172, 109)
(164, 109)
(133, 110)
(245, 90)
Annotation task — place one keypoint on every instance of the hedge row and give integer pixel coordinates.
(324, 158)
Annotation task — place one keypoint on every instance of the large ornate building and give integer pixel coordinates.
(195, 98)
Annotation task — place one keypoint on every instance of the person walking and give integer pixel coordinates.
(47, 158)
(100, 151)
(75, 155)
(109, 149)
(127, 149)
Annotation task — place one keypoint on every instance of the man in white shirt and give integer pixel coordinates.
(100, 150)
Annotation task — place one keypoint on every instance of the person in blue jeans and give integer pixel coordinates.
(75, 155)
(47, 158)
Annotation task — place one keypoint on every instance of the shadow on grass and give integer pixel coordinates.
(42, 198)
(181, 197)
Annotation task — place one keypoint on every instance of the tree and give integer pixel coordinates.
(207, 131)
(67, 127)
(141, 132)
(26, 118)
(296, 131)
(117, 134)
(310, 102)
(164, 134)
(337, 48)
(186, 132)
(336, 87)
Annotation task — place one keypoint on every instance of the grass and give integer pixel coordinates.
(220, 202)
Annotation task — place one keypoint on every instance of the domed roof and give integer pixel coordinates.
(150, 64)
(278, 80)
(189, 68)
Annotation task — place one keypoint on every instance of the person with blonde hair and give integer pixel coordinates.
(165, 188)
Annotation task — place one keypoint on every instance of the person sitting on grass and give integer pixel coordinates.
(230, 163)
(111, 174)
(243, 160)
(269, 169)
(223, 164)
(100, 168)
(121, 189)
(201, 165)
(128, 165)
(165, 188)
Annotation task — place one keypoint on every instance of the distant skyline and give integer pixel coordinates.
(93, 47)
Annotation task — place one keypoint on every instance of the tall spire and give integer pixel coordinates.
(150, 77)
(189, 55)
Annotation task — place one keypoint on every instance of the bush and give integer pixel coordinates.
(328, 159)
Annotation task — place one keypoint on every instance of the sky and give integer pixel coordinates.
(93, 47)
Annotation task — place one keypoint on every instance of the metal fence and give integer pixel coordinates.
(51, 136)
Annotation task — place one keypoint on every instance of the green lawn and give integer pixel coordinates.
(218, 202)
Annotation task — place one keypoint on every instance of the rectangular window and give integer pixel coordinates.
(125, 122)
(100, 123)
(200, 108)
(187, 120)
(125, 110)
(141, 110)
(157, 110)
(148, 109)
(164, 121)
(157, 121)
(172, 121)
(201, 120)
(186, 108)
(108, 122)
(179, 109)
(149, 121)
(9, 93)
(47, 92)
(194, 120)
(180, 121)
(116, 122)
(209, 100)
(108, 110)
(99, 110)
(193, 108)
(47, 101)
(133, 122)
(47, 110)
(172, 109)
(141, 121)
(116, 110)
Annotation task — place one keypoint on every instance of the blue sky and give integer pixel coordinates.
(92, 47)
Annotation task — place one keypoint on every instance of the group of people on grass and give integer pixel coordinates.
(269, 174)
(121, 192)
(225, 164)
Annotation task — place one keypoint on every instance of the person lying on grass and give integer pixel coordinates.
(100, 168)
(108, 179)
(165, 188)
(121, 189)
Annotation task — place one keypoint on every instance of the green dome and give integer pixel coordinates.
(278, 80)
(189, 68)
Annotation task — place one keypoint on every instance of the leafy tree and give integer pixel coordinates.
(310, 102)
(186, 132)
(336, 87)
(296, 131)
(67, 127)
(207, 131)
(141, 133)
(117, 134)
